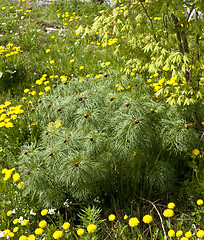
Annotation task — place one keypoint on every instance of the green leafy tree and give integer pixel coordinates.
(163, 41)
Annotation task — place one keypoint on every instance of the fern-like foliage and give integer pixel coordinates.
(98, 141)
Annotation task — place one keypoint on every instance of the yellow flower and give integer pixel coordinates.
(125, 217)
(184, 238)
(7, 103)
(20, 185)
(44, 212)
(52, 61)
(22, 237)
(199, 202)
(66, 225)
(31, 237)
(40, 93)
(47, 51)
(111, 217)
(91, 228)
(88, 75)
(72, 60)
(46, 82)
(38, 231)
(15, 229)
(57, 234)
(107, 63)
(42, 224)
(38, 82)
(133, 222)
(195, 152)
(4, 170)
(80, 231)
(132, 74)
(171, 205)
(147, 219)
(33, 93)
(15, 221)
(47, 88)
(24, 222)
(166, 68)
(9, 213)
(3, 8)
(171, 233)
(168, 213)
(188, 234)
(200, 234)
(11, 234)
(16, 177)
(156, 74)
(179, 233)
(53, 37)
(82, 67)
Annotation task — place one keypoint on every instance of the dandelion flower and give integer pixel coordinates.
(47, 51)
(38, 231)
(15, 221)
(9, 213)
(125, 217)
(15, 229)
(80, 231)
(147, 219)
(133, 222)
(195, 152)
(52, 61)
(38, 82)
(200, 234)
(23, 237)
(188, 234)
(171, 233)
(31, 237)
(24, 222)
(166, 69)
(82, 67)
(33, 93)
(168, 213)
(72, 60)
(44, 212)
(42, 224)
(66, 225)
(16, 177)
(57, 234)
(26, 90)
(91, 228)
(199, 202)
(171, 205)
(184, 238)
(20, 185)
(179, 233)
(47, 88)
(111, 217)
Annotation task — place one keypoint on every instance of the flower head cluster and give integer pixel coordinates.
(147, 219)
(168, 213)
(9, 50)
(199, 202)
(111, 217)
(133, 222)
(91, 228)
(9, 114)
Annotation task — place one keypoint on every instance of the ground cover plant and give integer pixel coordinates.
(101, 120)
